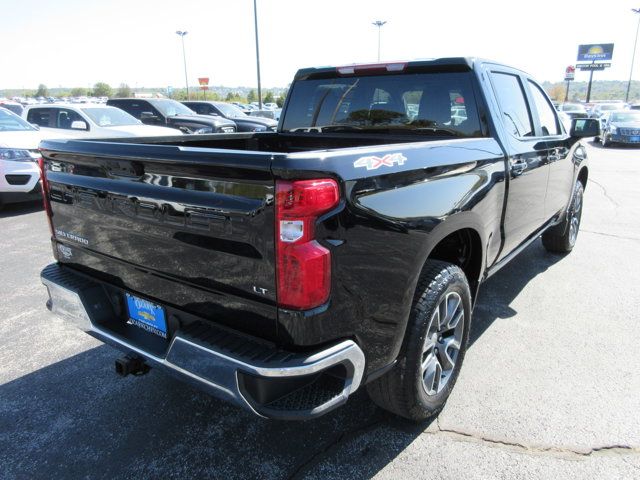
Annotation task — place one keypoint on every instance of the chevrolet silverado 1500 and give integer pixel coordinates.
(284, 270)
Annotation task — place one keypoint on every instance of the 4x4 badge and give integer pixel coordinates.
(373, 162)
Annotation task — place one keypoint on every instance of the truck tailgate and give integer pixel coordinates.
(189, 227)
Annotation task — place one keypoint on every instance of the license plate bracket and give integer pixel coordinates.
(146, 315)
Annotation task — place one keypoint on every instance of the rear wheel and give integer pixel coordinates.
(434, 346)
(562, 238)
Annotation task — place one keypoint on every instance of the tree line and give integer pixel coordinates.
(102, 89)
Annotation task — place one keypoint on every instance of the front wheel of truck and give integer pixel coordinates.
(435, 342)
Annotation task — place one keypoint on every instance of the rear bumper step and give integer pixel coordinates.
(268, 381)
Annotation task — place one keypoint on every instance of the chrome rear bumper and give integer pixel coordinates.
(259, 377)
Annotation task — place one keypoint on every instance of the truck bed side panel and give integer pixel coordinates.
(392, 218)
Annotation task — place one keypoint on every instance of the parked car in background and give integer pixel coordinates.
(574, 110)
(169, 113)
(269, 106)
(565, 119)
(14, 107)
(244, 122)
(91, 121)
(620, 126)
(600, 108)
(19, 172)
(635, 106)
(272, 114)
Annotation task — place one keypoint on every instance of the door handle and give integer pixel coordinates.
(518, 166)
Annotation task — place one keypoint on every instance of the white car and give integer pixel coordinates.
(91, 120)
(19, 171)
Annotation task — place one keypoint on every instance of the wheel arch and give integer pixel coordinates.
(583, 176)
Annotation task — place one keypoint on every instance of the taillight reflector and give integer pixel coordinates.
(303, 265)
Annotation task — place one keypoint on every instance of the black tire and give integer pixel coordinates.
(402, 390)
(562, 238)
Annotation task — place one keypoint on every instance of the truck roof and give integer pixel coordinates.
(451, 64)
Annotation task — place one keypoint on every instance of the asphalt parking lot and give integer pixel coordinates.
(550, 386)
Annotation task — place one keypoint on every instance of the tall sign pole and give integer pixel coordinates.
(181, 34)
(255, 21)
(633, 58)
(569, 75)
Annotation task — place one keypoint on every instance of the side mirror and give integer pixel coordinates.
(585, 127)
(147, 116)
(79, 125)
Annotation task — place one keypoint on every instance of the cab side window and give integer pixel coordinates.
(63, 118)
(39, 116)
(513, 104)
(201, 109)
(546, 113)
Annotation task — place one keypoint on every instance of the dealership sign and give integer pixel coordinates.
(599, 52)
(204, 83)
(570, 73)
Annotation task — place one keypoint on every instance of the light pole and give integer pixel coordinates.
(379, 24)
(184, 58)
(635, 44)
(255, 22)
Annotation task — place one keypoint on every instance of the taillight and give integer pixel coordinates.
(303, 265)
(45, 193)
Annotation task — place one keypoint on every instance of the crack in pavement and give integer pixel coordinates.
(609, 235)
(604, 191)
(556, 451)
(336, 442)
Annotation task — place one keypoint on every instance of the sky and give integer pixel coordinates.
(76, 43)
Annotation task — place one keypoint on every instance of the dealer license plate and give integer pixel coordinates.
(146, 315)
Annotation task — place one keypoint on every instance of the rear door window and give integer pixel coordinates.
(39, 116)
(513, 104)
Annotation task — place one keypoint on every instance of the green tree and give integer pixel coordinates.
(252, 96)
(78, 92)
(268, 98)
(102, 89)
(42, 91)
(283, 96)
(124, 91)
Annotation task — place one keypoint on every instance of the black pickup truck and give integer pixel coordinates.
(284, 270)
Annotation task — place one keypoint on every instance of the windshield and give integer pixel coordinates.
(169, 108)
(424, 103)
(625, 117)
(110, 116)
(10, 122)
(230, 111)
(572, 107)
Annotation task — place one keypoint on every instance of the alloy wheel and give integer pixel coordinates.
(442, 343)
(574, 224)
